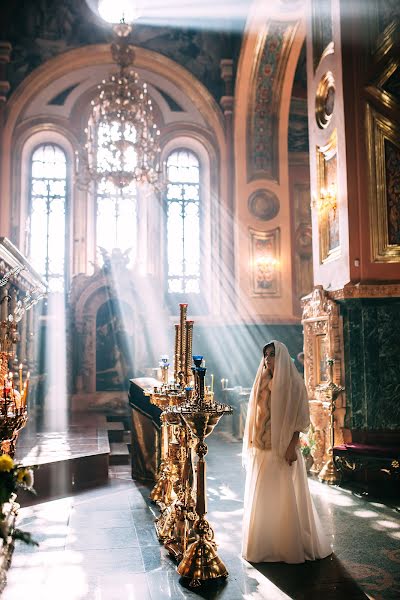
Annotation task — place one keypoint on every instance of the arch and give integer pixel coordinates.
(25, 115)
(289, 27)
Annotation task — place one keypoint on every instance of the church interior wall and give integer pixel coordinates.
(265, 183)
(259, 266)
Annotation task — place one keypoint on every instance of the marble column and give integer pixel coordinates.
(371, 329)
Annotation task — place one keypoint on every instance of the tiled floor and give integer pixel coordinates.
(101, 545)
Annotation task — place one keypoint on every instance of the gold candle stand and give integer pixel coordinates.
(329, 473)
(200, 561)
(13, 411)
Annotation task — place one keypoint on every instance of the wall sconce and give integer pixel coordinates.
(265, 267)
(265, 262)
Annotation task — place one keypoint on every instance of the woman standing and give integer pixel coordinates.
(280, 520)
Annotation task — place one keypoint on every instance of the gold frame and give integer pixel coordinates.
(273, 236)
(326, 83)
(379, 129)
(378, 92)
(324, 154)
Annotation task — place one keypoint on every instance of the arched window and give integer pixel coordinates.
(116, 207)
(48, 194)
(183, 222)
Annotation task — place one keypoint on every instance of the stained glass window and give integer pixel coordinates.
(47, 213)
(183, 222)
(116, 207)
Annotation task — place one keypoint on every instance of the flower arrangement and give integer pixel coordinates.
(12, 477)
(307, 443)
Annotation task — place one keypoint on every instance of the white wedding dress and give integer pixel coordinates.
(280, 521)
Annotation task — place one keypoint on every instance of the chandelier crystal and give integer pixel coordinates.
(122, 134)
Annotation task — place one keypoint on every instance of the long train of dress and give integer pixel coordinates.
(280, 520)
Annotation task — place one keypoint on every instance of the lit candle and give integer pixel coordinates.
(222, 383)
(26, 387)
(5, 394)
(20, 378)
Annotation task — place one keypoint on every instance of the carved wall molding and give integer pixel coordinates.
(265, 255)
(323, 338)
(264, 204)
(367, 291)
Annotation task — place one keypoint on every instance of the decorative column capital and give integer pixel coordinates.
(5, 55)
(226, 66)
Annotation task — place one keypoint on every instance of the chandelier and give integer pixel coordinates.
(122, 135)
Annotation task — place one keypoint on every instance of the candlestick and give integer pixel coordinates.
(182, 349)
(26, 386)
(20, 378)
(177, 367)
(189, 345)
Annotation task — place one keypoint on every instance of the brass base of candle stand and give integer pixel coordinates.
(201, 562)
(329, 473)
(182, 530)
(163, 492)
(164, 523)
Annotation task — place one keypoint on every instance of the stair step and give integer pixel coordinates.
(119, 454)
(119, 419)
(116, 432)
(115, 426)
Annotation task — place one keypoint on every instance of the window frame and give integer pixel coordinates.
(68, 186)
(200, 303)
(201, 221)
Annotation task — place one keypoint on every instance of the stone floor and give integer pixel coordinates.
(101, 545)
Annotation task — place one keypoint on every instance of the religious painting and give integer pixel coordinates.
(333, 210)
(392, 162)
(320, 354)
(114, 346)
(328, 208)
(265, 262)
(384, 196)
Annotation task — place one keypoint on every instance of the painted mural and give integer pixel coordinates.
(262, 147)
(392, 161)
(298, 114)
(50, 27)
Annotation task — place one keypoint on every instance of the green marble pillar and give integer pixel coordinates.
(371, 330)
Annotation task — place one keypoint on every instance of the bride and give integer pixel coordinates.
(280, 520)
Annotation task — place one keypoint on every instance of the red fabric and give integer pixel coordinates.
(368, 449)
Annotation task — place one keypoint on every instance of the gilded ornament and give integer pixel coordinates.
(263, 205)
(325, 100)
